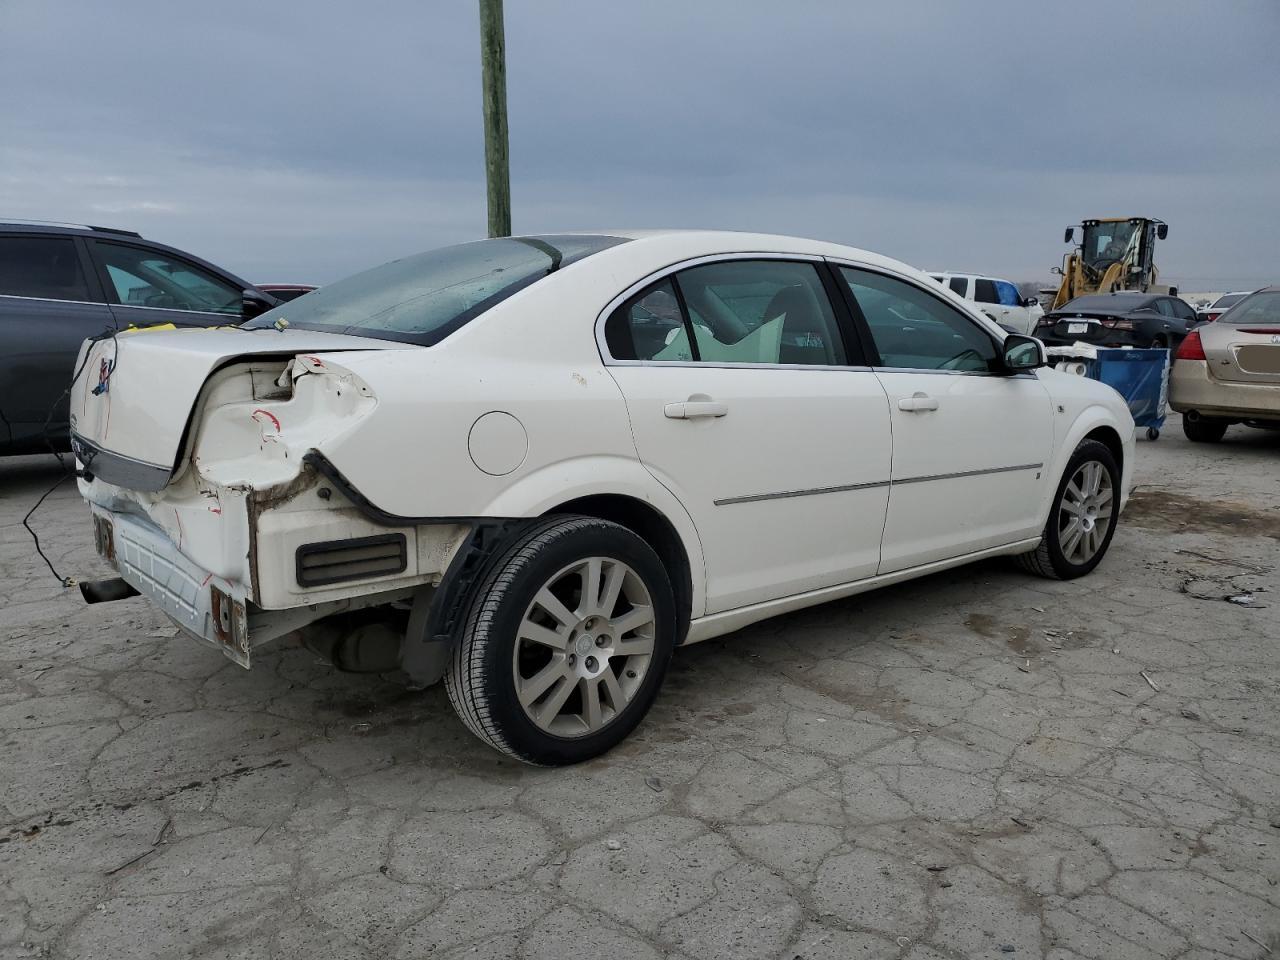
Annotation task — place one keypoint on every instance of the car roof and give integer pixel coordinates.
(52, 227)
(971, 276)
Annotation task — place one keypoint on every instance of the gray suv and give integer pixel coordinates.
(62, 284)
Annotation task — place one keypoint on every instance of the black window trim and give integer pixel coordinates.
(864, 330)
(852, 342)
(109, 289)
(93, 285)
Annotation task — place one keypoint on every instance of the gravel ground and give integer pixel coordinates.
(971, 765)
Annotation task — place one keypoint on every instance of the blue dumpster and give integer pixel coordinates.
(1140, 376)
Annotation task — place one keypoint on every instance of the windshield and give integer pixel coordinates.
(1261, 307)
(424, 298)
(1105, 243)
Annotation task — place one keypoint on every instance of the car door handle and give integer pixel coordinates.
(917, 403)
(694, 408)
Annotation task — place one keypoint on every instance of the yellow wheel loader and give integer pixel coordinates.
(1114, 254)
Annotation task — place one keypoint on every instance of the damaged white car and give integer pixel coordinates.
(534, 466)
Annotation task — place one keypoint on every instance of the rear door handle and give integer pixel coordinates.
(697, 406)
(917, 403)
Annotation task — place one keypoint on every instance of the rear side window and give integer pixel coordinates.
(649, 326)
(984, 291)
(1164, 307)
(47, 268)
(960, 285)
(737, 311)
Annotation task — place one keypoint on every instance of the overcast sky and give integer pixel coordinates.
(292, 140)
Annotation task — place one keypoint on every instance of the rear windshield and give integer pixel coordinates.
(1261, 307)
(424, 298)
(1227, 300)
(1104, 302)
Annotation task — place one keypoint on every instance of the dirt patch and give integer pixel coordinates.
(1178, 513)
(1018, 638)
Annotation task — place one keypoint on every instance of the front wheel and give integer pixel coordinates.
(1082, 519)
(566, 643)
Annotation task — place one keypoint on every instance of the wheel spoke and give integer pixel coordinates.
(590, 601)
(591, 714)
(530, 690)
(613, 579)
(548, 602)
(1103, 497)
(636, 646)
(617, 697)
(551, 706)
(555, 639)
(637, 616)
(1071, 538)
(1073, 490)
(1071, 507)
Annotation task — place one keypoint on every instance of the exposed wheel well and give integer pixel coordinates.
(1111, 440)
(656, 530)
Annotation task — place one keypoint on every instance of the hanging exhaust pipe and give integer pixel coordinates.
(104, 591)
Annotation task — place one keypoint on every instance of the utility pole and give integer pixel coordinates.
(493, 59)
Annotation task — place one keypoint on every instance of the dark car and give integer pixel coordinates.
(285, 292)
(62, 284)
(1126, 319)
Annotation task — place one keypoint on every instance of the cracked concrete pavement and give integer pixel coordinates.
(971, 765)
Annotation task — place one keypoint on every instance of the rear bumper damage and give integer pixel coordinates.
(240, 567)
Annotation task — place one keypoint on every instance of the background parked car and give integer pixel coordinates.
(998, 299)
(284, 292)
(1229, 372)
(61, 284)
(1220, 306)
(1124, 319)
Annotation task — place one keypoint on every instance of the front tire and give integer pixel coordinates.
(1204, 430)
(1082, 520)
(566, 643)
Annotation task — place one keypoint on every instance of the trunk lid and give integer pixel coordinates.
(1248, 353)
(133, 399)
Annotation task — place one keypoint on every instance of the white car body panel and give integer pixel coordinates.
(869, 492)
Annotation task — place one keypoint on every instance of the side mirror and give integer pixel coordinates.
(1071, 232)
(1031, 301)
(1162, 230)
(254, 302)
(1023, 353)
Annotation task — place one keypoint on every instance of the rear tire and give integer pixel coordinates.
(1083, 517)
(566, 643)
(1204, 430)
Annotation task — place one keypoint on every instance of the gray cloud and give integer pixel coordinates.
(297, 140)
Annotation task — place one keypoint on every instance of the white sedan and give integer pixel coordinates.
(534, 466)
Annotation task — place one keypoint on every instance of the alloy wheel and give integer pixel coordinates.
(584, 646)
(1085, 514)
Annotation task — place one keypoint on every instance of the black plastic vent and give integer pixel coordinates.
(362, 558)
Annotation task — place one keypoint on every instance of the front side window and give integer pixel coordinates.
(148, 278)
(984, 291)
(47, 268)
(960, 285)
(1007, 294)
(914, 330)
(761, 311)
(424, 298)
